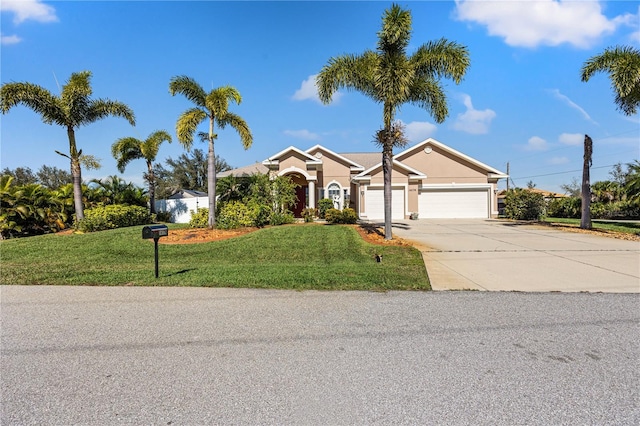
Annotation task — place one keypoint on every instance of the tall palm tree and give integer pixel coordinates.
(622, 63)
(71, 109)
(214, 106)
(124, 150)
(392, 78)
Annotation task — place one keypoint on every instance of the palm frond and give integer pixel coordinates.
(240, 126)
(217, 101)
(441, 59)
(34, 97)
(124, 150)
(90, 162)
(189, 88)
(102, 108)
(350, 72)
(187, 124)
(396, 30)
(622, 63)
(150, 147)
(429, 95)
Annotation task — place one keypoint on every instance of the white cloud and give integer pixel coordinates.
(309, 90)
(541, 22)
(572, 104)
(558, 160)
(571, 138)
(417, 131)
(536, 143)
(472, 120)
(303, 134)
(29, 10)
(12, 39)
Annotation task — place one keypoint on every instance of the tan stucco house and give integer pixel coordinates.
(429, 178)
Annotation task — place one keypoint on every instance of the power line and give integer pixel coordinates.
(562, 173)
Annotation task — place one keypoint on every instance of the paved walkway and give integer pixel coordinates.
(503, 256)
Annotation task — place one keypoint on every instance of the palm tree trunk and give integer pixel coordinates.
(211, 177)
(387, 168)
(152, 188)
(76, 174)
(585, 218)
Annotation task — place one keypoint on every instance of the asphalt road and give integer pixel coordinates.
(190, 356)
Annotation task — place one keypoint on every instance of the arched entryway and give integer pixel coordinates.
(302, 193)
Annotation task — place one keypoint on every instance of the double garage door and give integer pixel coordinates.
(374, 203)
(454, 204)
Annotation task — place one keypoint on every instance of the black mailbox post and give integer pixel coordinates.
(155, 232)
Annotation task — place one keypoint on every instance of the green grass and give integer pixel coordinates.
(286, 257)
(624, 227)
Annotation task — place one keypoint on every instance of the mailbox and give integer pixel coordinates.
(154, 231)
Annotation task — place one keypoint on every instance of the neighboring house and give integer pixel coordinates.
(181, 203)
(547, 195)
(429, 178)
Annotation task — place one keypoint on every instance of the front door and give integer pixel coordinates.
(301, 196)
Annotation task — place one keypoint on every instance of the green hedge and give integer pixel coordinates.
(522, 204)
(347, 216)
(113, 216)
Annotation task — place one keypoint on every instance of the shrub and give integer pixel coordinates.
(234, 214)
(308, 214)
(615, 210)
(278, 218)
(261, 213)
(522, 204)
(349, 216)
(564, 207)
(333, 215)
(163, 216)
(113, 216)
(199, 218)
(324, 205)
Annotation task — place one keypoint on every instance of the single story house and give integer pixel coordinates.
(429, 178)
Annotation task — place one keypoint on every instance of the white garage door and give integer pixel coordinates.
(374, 203)
(453, 204)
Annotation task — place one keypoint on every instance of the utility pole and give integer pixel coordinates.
(508, 176)
(585, 217)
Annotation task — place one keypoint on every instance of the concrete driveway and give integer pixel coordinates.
(498, 255)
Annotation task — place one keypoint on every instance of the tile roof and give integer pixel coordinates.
(365, 159)
(245, 171)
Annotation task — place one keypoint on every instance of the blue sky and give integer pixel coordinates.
(521, 101)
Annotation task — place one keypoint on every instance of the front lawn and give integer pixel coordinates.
(312, 256)
(625, 227)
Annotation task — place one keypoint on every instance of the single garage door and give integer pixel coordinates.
(374, 203)
(453, 204)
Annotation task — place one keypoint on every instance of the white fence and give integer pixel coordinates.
(180, 209)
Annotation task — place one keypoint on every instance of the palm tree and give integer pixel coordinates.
(71, 109)
(632, 183)
(127, 149)
(214, 106)
(391, 78)
(622, 63)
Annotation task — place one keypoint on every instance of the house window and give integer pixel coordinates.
(335, 194)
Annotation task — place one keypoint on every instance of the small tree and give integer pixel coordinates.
(214, 107)
(72, 109)
(523, 204)
(125, 150)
